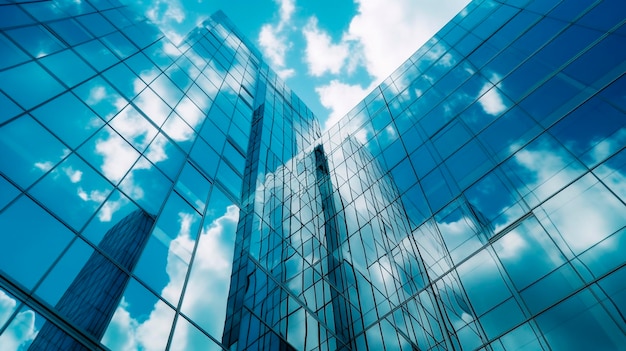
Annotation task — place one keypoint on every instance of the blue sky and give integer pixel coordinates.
(330, 52)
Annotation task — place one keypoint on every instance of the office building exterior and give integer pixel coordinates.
(157, 196)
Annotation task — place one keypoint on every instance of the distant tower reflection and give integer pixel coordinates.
(91, 299)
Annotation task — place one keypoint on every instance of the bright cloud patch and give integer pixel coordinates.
(21, 331)
(273, 39)
(339, 98)
(491, 101)
(390, 31)
(203, 301)
(321, 54)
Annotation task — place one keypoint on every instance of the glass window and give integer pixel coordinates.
(167, 90)
(153, 106)
(541, 168)
(188, 337)
(592, 132)
(205, 157)
(460, 231)
(124, 80)
(7, 193)
(98, 55)
(109, 153)
(36, 40)
(134, 127)
(610, 52)
(8, 305)
(193, 186)
(597, 211)
(22, 329)
(64, 272)
(231, 180)
(450, 138)
(11, 54)
(166, 155)
(556, 94)
(101, 97)
(96, 24)
(69, 119)
(494, 201)
(468, 164)
(119, 45)
(190, 113)
(604, 16)
(25, 223)
(29, 84)
(483, 281)
(551, 288)
(177, 129)
(508, 133)
(438, 188)
(567, 326)
(145, 184)
(68, 67)
(9, 108)
(213, 260)
(70, 31)
(82, 189)
(528, 253)
(213, 136)
(524, 78)
(28, 151)
(422, 160)
(140, 319)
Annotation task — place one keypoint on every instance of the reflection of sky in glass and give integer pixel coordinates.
(485, 191)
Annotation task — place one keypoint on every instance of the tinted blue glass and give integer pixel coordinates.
(64, 272)
(68, 67)
(28, 150)
(9, 108)
(69, 119)
(19, 84)
(12, 54)
(36, 40)
(24, 223)
(81, 188)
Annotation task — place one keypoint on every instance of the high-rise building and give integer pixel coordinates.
(157, 196)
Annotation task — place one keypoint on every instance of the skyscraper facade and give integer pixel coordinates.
(157, 196)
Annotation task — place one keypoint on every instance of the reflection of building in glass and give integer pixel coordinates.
(473, 201)
(89, 302)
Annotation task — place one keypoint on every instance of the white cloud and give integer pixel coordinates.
(388, 32)
(7, 306)
(321, 54)
(167, 14)
(491, 101)
(339, 98)
(286, 73)
(205, 301)
(22, 329)
(273, 45)
(74, 175)
(273, 38)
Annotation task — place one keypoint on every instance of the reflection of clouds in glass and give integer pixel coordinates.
(118, 156)
(511, 245)
(206, 300)
(491, 100)
(21, 330)
(125, 333)
(44, 166)
(545, 169)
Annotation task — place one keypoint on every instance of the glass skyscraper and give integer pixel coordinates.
(157, 196)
